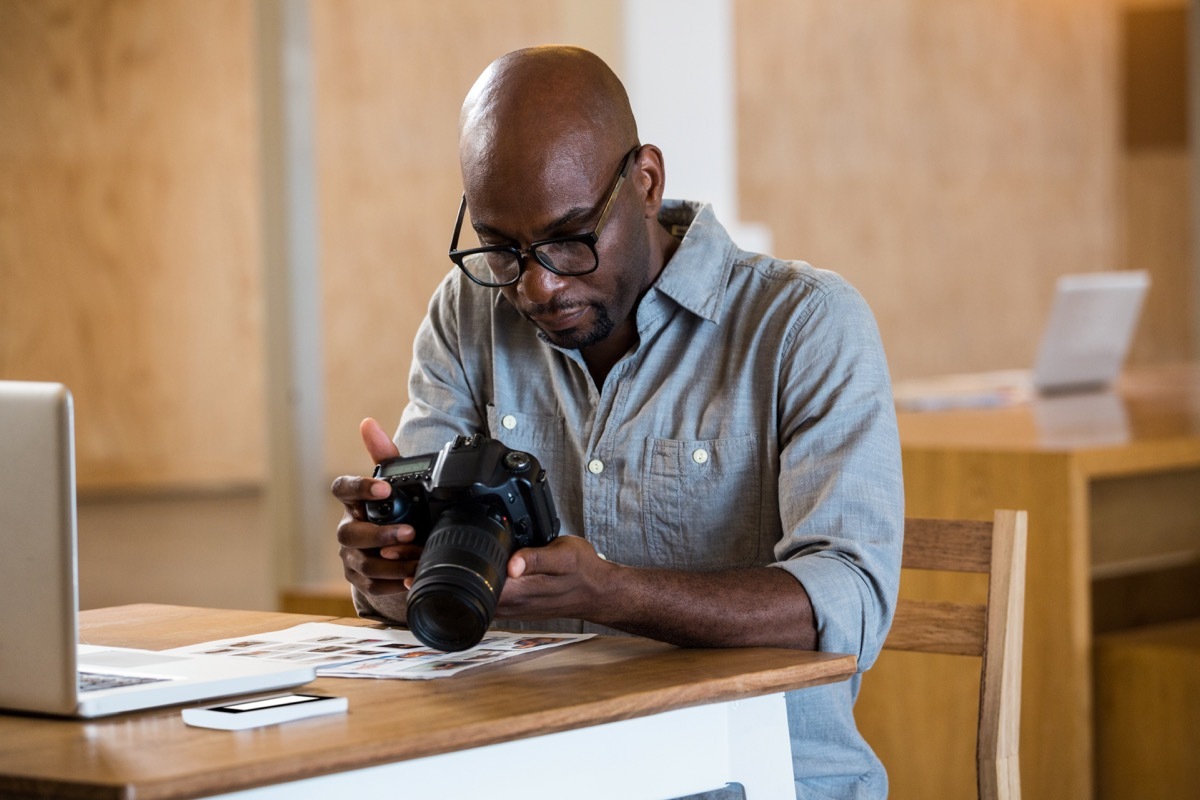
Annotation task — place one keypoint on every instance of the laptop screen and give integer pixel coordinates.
(38, 594)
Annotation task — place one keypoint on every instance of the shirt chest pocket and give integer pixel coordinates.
(702, 503)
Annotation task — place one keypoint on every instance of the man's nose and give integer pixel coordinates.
(537, 284)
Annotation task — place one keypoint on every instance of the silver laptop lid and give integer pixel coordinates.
(38, 586)
(1090, 328)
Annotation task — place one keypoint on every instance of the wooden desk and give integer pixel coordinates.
(609, 717)
(1111, 485)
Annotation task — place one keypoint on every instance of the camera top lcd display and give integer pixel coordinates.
(407, 467)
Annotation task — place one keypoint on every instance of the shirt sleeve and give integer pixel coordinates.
(442, 399)
(841, 493)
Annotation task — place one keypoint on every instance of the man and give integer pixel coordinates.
(717, 425)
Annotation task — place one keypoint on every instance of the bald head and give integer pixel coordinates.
(543, 104)
(549, 151)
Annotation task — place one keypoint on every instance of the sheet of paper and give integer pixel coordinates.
(970, 390)
(346, 651)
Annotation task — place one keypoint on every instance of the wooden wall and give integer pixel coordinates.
(951, 159)
(1154, 174)
(390, 80)
(130, 269)
(129, 233)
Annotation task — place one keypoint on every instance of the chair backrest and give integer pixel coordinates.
(993, 631)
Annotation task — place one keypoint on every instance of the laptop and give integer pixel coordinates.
(1090, 329)
(1083, 346)
(43, 667)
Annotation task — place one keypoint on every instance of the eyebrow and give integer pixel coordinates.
(574, 215)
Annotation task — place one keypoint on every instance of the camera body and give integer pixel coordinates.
(469, 470)
(472, 505)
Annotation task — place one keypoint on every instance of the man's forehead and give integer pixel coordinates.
(535, 188)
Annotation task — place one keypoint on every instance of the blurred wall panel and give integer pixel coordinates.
(1155, 174)
(950, 159)
(390, 78)
(129, 232)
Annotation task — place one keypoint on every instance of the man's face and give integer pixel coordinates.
(557, 198)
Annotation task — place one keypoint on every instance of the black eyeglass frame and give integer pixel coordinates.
(590, 239)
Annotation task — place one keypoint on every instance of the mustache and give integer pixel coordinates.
(555, 306)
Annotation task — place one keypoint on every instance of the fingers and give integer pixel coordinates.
(355, 488)
(374, 575)
(353, 531)
(378, 559)
(377, 442)
(561, 557)
(562, 579)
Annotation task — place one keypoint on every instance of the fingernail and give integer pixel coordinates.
(380, 489)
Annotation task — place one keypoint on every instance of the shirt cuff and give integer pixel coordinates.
(835, 591)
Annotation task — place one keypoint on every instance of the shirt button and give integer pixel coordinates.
(509, 422)
(700, 455)
(595, 466)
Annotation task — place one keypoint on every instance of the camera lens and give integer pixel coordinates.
(458, 579)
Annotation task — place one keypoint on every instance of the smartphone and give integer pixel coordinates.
(260, 711)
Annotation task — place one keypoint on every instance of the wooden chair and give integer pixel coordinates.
(992, 632)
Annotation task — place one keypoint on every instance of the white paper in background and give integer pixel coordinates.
(347, 651)
(969, 390)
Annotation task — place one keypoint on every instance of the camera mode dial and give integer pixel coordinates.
(516, 461)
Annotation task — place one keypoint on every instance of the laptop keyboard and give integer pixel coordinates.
(94, 681)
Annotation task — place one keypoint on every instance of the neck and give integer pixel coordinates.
(603, 356)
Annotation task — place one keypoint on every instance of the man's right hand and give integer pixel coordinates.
(378, 559)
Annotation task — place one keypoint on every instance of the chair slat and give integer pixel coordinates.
(938, 627)
(947, 544)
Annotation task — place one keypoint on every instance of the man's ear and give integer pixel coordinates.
(649, 175)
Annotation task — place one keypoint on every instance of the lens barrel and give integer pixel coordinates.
(458, 579)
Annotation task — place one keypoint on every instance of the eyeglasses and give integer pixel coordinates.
(501, 265)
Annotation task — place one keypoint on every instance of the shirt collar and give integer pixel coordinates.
(698, 272)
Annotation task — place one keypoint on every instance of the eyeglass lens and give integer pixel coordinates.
(503, 266)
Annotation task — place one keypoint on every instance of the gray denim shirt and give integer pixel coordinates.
(751, 425)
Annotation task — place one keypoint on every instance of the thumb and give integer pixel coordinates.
(377, 442)
(556, 558)
(518, 565)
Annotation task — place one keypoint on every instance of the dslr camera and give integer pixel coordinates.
(472, 505)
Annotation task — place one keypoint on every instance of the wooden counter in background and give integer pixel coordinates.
(1111, 483)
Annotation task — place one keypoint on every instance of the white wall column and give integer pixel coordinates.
(680, 72)
(298, 491)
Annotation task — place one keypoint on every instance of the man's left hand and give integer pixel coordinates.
(566, 578)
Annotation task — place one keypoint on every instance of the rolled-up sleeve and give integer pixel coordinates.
(841, 495)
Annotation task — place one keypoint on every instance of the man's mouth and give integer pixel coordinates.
(559, 319)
